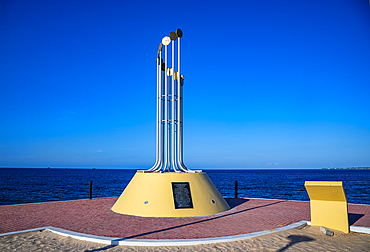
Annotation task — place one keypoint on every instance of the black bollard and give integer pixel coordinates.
(90, 190)
(236, 189)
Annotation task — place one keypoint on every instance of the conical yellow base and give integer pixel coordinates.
(170, 195)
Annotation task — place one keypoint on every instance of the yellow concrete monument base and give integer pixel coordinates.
(170, 194)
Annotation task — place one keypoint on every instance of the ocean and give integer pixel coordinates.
(29, 185)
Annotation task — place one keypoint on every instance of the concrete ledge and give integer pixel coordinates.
(157, 242)
(171, 242)
(24, 231)
(357, 229)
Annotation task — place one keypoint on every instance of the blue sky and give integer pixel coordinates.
(268, 84)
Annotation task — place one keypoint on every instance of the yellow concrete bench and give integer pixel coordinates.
(328, 204)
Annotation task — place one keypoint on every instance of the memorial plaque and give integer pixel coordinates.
(181, 195)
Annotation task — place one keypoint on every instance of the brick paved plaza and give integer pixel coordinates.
(95, 217)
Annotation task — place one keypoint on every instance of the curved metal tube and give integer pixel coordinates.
(173, 160)
(179, 113)
(157, 149)
(165, 113)
(159, 116)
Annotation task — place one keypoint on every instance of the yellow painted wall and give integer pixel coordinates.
(328, 204)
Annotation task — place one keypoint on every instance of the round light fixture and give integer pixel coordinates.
(173, 36)
(179, 33)
(166, 41)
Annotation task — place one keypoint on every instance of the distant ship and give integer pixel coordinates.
(93, 168)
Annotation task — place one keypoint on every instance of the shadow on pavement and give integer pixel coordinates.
(235, 202)
(353, 217)
(200, 221)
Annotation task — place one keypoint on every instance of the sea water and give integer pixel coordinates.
(28, 185)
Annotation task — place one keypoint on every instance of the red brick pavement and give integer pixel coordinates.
(95, 217)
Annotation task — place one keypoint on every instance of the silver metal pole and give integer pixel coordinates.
(159, 116)
(169, 117)
(157, 149)
(179, 106)
(163, 126)
(173, 108)
(165, 111)
(180, 111)
(157, 128)
(179, 119)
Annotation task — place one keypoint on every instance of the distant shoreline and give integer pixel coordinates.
(348, 168)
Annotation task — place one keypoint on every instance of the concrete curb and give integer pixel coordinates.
(171, 242)
(157, 242)
(356, 229)
(364, 230)
(24, 231)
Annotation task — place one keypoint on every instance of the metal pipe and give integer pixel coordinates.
(163, 123)
(169, 118)
(157, 159)
(159, 114)
(181, 131)
(158, 111)
(165, 112)
(179, 107)
(173, 107)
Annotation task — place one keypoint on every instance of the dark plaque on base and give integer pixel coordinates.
(181, 195)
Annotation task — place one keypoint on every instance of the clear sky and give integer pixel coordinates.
(268, 84)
